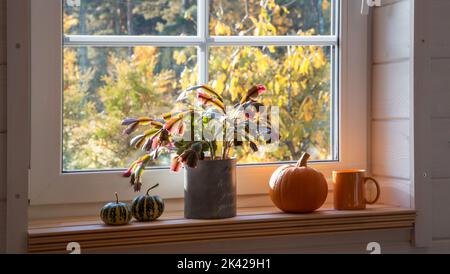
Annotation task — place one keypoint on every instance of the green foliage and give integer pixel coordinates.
(104, 85)
(210, 123)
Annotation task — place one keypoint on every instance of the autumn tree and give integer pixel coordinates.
(114, 83)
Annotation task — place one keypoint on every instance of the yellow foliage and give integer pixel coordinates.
(325, 6)
(307, 109)
(297, 79)
(319, 59)
(143, 54)
(305, 66)
(180, 57)
(69, 22)
(222, 29)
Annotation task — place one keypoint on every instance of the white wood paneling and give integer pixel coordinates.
(395, 192)
(2, 32)
(389, 2)
(2, 126)
(3, 92)
(422, 127)
(392, 32)
(2, 65)
(18, 149)
(391, 101)
(2, 227)
(391, 90)
(391, 149)
(2, 167)
(438, 25)
(440, 87)
(441, 206)
(440, 148)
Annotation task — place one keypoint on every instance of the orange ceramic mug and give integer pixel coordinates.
(349, 190)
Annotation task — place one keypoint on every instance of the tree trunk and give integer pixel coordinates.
(289, 106)
(184, 9)
(321, 19)
(291, 148)
(117, 18)
(82, 51)
(130, 7)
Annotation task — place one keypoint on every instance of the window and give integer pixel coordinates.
(127, 58)
(131, 58)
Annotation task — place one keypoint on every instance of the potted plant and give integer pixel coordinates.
(202, 132)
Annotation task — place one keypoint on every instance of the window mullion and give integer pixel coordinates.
(130, 41)
(203, 50)
(328, 40)
(202, 40)
(333, 17)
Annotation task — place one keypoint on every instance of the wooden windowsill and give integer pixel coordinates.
(54, 235)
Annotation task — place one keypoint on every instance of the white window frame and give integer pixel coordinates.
(50, 186)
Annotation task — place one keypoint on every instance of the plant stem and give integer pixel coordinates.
(211, 150)
(192, 126)
(303, 162)
(224, 149)
(153, 187)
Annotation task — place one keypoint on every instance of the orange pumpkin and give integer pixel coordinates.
(298, 188)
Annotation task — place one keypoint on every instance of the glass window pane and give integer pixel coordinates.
(297, 79)
(102, 86)
(270, 17)
(130, 17)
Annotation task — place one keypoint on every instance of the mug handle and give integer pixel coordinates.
(367, 179)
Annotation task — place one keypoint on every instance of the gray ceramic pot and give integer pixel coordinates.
(210, 190)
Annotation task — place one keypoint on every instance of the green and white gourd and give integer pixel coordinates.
(146, 208)
(116, 213)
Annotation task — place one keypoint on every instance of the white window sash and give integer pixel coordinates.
(182, 41)
(203, 40)
(49, 185)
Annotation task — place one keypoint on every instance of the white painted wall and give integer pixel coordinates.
(391, 123)
(437, 87)
(2, 125)
(411, 112)
(18, 111)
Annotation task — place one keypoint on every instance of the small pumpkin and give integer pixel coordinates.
(116, 213)
(298, 188)
(146, 208)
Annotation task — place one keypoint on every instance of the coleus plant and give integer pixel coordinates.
(206, 130)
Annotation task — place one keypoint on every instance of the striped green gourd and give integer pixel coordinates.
(116, 213)
(146, 208)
